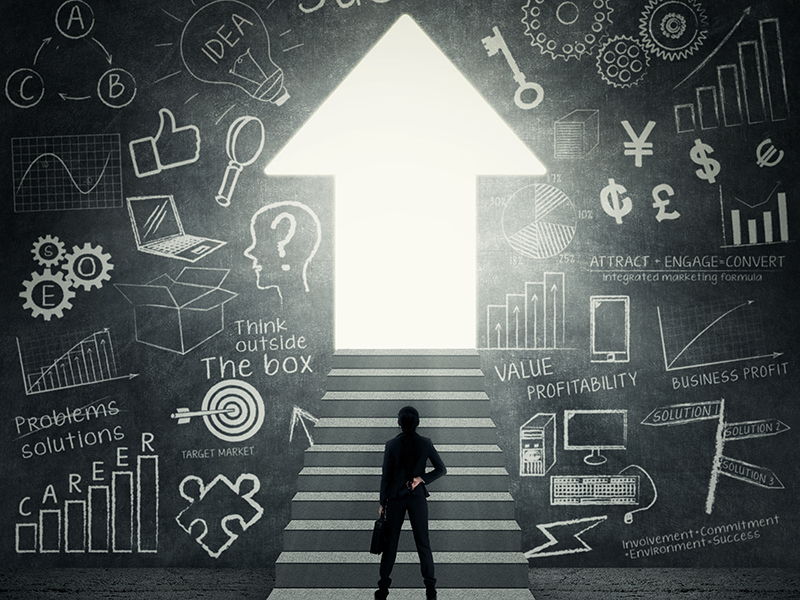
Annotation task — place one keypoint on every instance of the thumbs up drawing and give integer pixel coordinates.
(172, 146)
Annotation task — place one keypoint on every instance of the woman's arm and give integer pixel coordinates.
(438, 466)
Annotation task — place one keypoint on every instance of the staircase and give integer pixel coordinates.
(476, 541)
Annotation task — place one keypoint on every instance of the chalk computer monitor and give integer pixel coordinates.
(595, 431)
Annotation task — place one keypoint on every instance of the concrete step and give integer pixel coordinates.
(441, 505)
(355, 535)
(453, 569)
(406, 380)
(366, 479)
(387, 404)
(406, 359)
(399, 594)
(379, 430)
(369, 455)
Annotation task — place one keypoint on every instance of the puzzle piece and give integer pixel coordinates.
(217, 514)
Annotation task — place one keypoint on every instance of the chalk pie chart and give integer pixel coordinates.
(235, 410)
(539, 221)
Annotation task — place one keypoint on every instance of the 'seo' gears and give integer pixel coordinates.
(47, 294)
(48, 251)
(566, 29)
(622, 62)
(673, 29)
(88, 267)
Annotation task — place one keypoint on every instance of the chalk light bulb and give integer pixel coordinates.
(226, 42)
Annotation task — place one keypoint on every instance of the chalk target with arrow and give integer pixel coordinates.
(232, 410)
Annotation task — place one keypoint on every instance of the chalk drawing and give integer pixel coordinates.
(622, 62)
(301, 416)
(48, 251)
(232, 411)
(576, 134)
(539, 221)
(47, 294)
(725, 331)
(237, 158)
(537, 445)
(595, 430)
(567, 30)
(614, 202)
(533, 319)
(638, 146)
(68, 361)
(225, 42)
(87, 266)
(610, 329)
(158, 230)
(628, 517)
(569, 540)
(272, 228)
(662, 203)
(24, 88)
(179, 314)
(119, 517)
(214, 507)
(673, 29)
(74, 172)
(494, 44)
(758, 223)
(603, 490)
(171, 147)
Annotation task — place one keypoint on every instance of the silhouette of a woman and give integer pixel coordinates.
(403, 488)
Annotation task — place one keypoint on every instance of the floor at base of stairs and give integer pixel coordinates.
(256, 584)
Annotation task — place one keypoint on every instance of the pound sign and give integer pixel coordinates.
(661, 204)
(610, 200)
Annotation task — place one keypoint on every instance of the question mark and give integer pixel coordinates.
(289, 236)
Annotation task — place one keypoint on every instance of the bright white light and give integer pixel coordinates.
(405, 135)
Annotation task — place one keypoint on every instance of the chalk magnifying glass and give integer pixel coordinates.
(251, 130)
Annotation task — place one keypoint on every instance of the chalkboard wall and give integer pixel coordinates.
(635, 304)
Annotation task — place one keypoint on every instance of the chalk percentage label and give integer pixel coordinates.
(234, 410)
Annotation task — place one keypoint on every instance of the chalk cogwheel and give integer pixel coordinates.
(673, 29)
(566, 29)
(47, 294)
(622, 62)
(88, 267)
(48, 251)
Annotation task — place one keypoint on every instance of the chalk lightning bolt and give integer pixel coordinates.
(568, 545)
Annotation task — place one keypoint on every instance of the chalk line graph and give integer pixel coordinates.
(68, 362)
(721, 332)
(74, 172)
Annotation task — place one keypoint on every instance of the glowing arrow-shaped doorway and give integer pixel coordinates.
(405, 135)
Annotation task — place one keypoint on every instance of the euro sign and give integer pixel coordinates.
(710, 167)
(612, 203)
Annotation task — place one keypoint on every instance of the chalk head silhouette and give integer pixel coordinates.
(285, 238)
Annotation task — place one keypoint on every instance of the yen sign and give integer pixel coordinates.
(638, 146)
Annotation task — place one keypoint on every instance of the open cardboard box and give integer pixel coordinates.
(179, 314)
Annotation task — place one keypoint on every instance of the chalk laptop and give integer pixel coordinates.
(158, 230)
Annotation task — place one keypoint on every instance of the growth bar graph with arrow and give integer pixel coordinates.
(534, 319)
(58, 365)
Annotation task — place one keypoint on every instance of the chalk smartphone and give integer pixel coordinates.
(610, 329)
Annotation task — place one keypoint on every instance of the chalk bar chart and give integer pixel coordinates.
(119, 518)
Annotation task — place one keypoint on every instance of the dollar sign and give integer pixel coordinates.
(610, 200)
(699, 155)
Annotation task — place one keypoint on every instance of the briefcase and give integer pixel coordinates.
(380, 535)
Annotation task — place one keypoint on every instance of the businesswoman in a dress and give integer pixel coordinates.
(403, 488)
